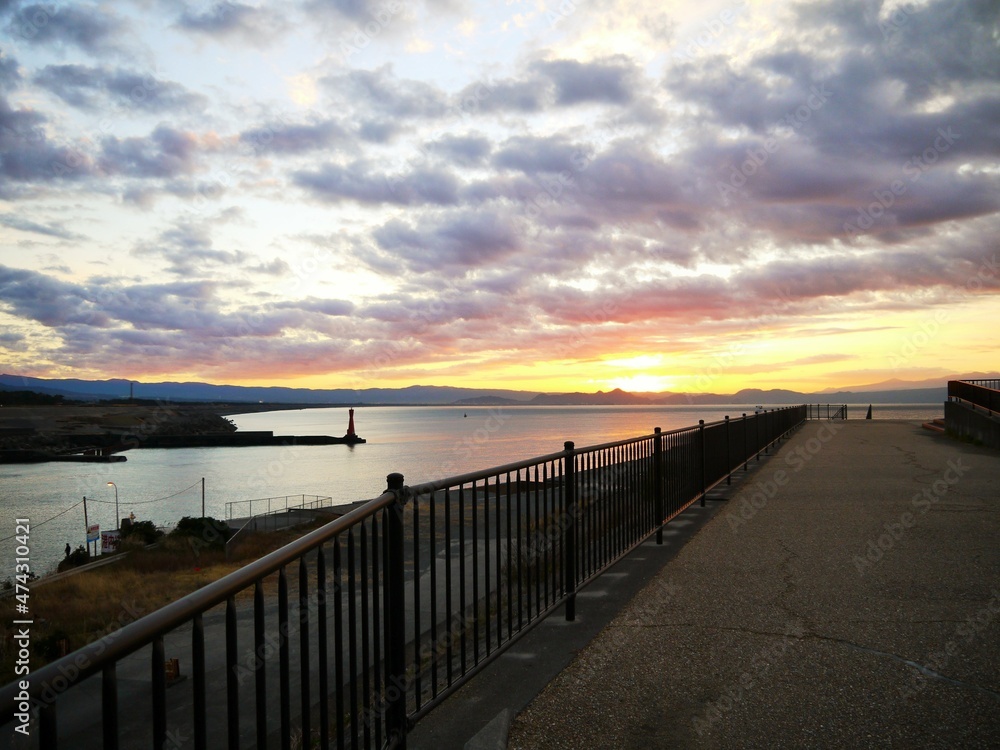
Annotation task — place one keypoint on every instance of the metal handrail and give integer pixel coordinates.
(594, 504)
(982, 393)
(140, 633)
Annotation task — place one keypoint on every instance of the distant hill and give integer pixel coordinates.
(617, 397)
(96, 390)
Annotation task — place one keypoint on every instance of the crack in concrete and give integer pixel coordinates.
(922, 668)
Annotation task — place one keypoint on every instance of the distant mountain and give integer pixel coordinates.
(617, 397)
(900, 385)
(94, 390)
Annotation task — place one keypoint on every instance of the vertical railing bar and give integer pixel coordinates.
(159, 680)
(304, 662)
(366, 687)
(48, 729)
(321, 650)
(518, 566)
(416, 600)
(338, 641)
(379, 685)
(449, 643)
(232, 685)
(432, 559)
(537, 539)
(475, 566)
(352, 636)
(461, 571)
(260, 677)
(396, 617)
(498, 572)
(199, 689)
(569, 483)
(510, 587)
(109, 706)
(284, 659)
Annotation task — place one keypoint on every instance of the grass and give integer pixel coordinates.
(84, 607)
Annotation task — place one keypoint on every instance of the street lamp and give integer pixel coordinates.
(118, 519)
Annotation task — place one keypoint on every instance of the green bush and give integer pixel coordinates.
(143, 531)
(207, 531)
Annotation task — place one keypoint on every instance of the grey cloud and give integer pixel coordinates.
(86, 87)
(379, 91)
(294, 138)
(166, 153)
(531, 154)
(461, 240)
(611, 80)
(360, 182)
(465, 151)
(27, 155)
(229, 19)
(49, 230)
(93, 29)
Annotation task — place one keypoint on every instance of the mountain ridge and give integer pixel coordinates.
(118, 388)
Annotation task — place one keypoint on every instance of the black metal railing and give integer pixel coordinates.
(351, 634)
(982, 393)
(826, 411)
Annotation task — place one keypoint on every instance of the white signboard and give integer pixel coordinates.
(110, 540)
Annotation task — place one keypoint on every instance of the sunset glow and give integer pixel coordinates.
(537, 196)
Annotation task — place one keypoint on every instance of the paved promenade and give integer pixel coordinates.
(848, 596)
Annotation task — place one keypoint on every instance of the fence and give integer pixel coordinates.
(982, 393)
(269, 505)
(826, 411)
(398, 603)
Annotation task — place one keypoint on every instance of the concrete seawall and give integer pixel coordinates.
(848, 596)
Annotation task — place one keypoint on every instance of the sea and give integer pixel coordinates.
(423, 443)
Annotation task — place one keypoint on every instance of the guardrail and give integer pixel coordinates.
(826, 411)
(982, 393)
(427, 584)
(269, 505)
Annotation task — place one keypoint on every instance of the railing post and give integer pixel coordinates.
(395, 618)
(767, 433)
(756, 426)
(746, 448)
(569, 537)
(729, 455)
(658, 482)
(701, 449)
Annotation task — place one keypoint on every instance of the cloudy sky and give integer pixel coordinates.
(572, 195)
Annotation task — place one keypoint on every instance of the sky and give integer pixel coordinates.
(547, 196)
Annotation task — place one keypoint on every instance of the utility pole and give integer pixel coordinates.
(203, 497)
(86, 527)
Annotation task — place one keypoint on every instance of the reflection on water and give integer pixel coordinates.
(422, 443)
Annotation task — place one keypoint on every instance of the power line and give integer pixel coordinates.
(42, 523)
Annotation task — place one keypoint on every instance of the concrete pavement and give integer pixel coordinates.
(847, 596)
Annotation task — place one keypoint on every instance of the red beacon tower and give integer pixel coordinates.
(351, 438)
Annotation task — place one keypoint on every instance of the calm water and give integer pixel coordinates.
(423, 443)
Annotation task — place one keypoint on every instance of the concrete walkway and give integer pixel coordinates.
(847, 596)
